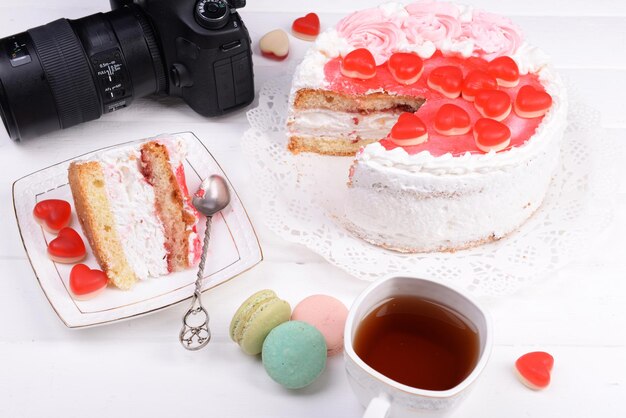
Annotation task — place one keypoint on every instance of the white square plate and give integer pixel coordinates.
(234, 247)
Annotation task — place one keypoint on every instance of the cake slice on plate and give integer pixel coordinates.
(135, 210)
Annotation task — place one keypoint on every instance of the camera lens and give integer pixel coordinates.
(67, 72)
(9, 124)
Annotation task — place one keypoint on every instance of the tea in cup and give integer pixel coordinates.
(414, 346)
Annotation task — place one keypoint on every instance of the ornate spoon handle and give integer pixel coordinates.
(195, 332)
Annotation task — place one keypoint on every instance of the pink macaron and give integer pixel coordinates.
(328, 315)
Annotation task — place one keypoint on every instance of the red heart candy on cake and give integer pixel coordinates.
(67, 247)
(86, 283)
(447, 80)
(408, 130)
(534, 369)
(491, 135)
(307, 27)
(452, 120)
(359, 64)
(494, 104)
(405, 67)
(53, 214)
(477, 80)
(504, 69)
(532, 103)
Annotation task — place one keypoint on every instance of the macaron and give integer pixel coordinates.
(328, 315)
(255, 318)
(294, 354)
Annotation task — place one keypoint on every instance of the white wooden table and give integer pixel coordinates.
(138, 369)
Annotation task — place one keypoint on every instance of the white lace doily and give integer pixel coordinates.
(302, 199)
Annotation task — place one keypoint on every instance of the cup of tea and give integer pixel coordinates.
(414, 347)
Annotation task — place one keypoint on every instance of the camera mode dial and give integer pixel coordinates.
(212, 14)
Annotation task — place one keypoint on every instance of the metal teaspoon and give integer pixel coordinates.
(212, 197)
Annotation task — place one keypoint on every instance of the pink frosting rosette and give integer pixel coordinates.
(493, 35)
(431, 21)
(373, 30)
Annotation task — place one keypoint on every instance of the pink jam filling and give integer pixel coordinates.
(437, 144)
(196, 249)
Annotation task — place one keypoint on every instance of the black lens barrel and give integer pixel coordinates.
(27, 105)
(67, 72)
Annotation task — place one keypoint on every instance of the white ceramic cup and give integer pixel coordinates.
(384, 397)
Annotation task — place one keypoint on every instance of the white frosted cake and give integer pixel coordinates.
(455, 121)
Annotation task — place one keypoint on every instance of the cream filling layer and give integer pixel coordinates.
(327, 123)
(132, 199)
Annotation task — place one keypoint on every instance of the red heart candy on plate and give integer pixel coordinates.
(405, 67)
(504, 69)
(67, 247)
(494, 104)
(532, 103)
(477, 80)
(447, 80)
(359, 64)
(53, 214)
(491, 135)
(452, 120)
(86, 283)
(307, 27)
(408, 130)
(534, 369)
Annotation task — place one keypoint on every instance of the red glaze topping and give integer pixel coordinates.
(491, 134)
(438, 144)
(68, 246)
(447, 80)
(452, 120)
(308, 25)
(494, 104)
(504, 70)
(359, 64)
(85, 281)
(53, 214)
(534, 369)
(477, 80)
(532, 101)
(405, 67)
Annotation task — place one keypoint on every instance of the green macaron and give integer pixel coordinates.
(255, 318)
(294, 354)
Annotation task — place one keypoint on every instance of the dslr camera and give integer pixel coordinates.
(72, 71)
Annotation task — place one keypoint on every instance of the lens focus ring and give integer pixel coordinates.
(67, 71)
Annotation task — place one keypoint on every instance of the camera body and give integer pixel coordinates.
(207, 61)
(68, 72)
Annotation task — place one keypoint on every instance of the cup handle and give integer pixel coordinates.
(378, 407)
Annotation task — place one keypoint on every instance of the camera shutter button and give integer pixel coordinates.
(180, 75)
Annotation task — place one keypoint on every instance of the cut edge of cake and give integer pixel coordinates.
(169, 202)
(351, 106)
(94, 213)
